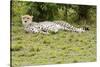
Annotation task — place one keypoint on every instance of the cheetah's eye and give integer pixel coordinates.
(23, 17)
(27, 18)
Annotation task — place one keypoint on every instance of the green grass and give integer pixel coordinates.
(62, 47)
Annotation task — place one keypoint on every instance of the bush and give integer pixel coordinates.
(52, 11)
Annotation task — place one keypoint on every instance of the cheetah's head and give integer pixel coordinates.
(26, 19)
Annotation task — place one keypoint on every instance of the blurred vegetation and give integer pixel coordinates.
(53, 11)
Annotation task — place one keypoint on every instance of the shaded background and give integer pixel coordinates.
(71, 13)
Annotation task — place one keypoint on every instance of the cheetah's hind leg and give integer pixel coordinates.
(44, 32)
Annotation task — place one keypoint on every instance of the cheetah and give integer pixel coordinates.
(47, 26)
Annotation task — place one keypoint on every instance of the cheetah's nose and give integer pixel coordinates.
(25, 21)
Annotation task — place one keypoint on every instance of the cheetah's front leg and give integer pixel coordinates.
(44, 32)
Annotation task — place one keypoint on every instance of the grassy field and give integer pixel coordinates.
(59, 48)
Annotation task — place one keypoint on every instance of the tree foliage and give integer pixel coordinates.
(53, 11)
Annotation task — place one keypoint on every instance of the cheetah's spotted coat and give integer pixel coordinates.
(46, 26)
